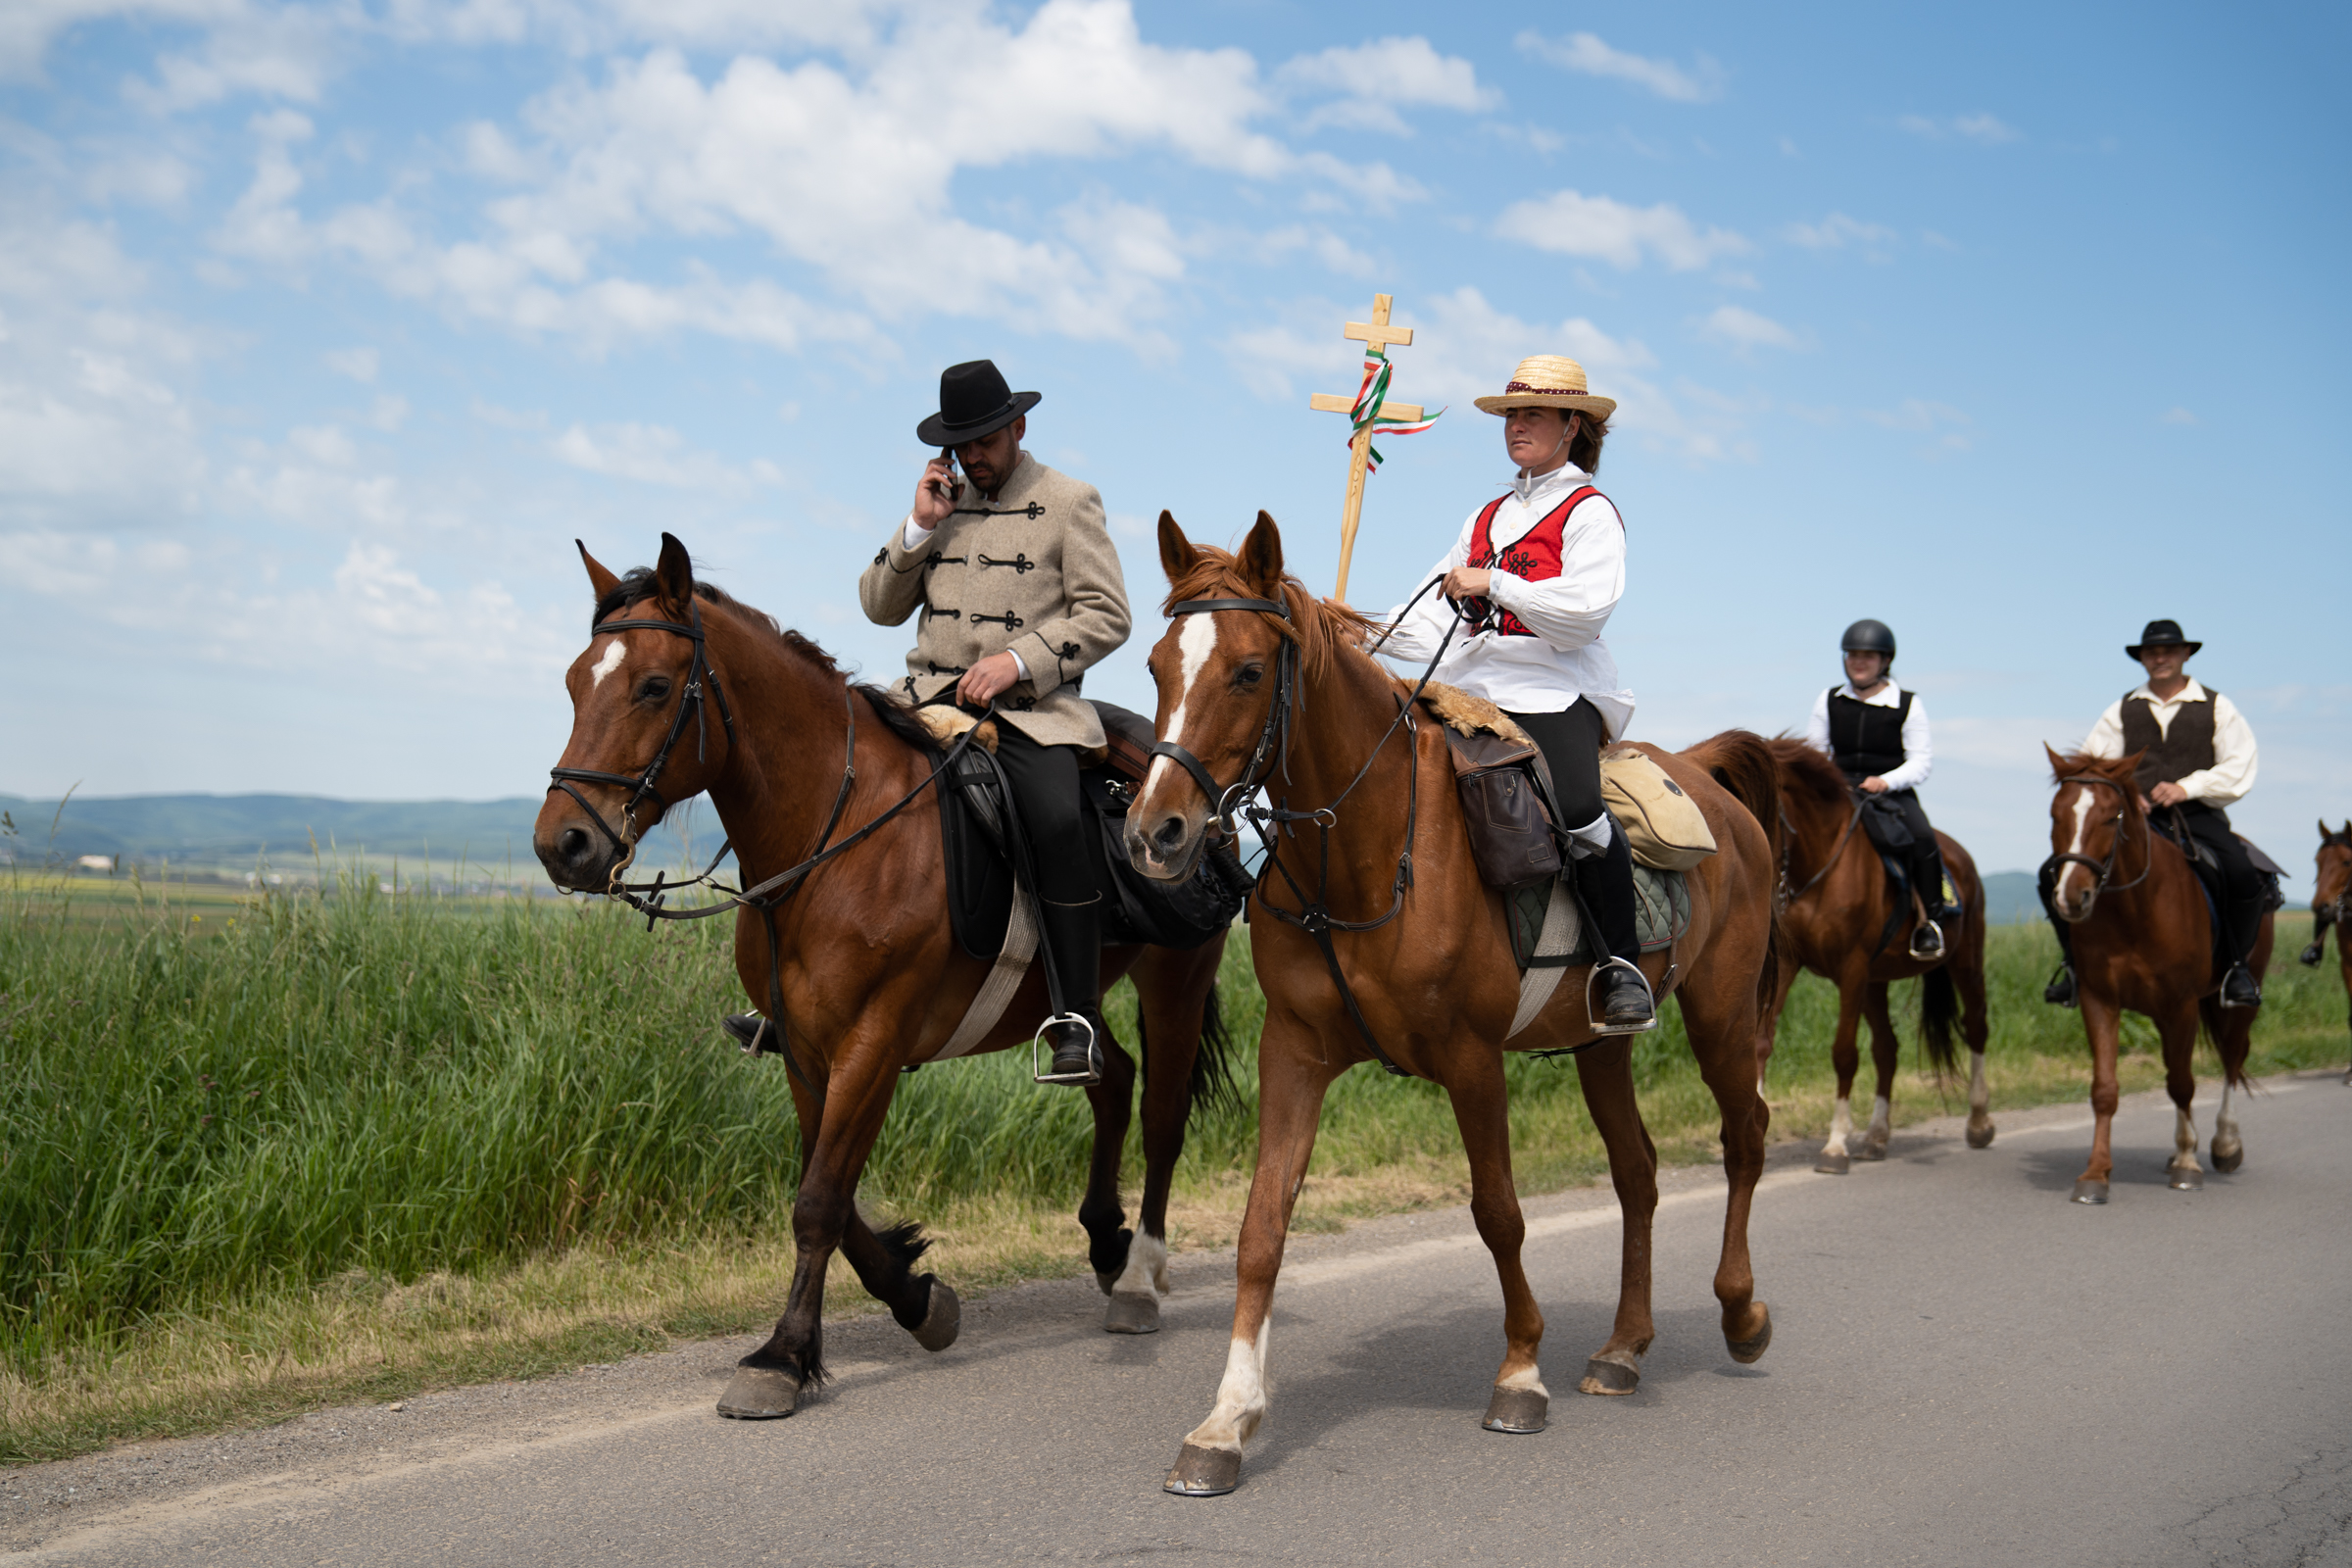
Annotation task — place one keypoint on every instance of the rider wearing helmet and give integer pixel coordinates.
(1877, 733)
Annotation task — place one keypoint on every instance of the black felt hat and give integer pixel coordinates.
(2160, 634)
(973, 402)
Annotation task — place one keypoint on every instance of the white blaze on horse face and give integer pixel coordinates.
(1241, 1398)
(615, 652)
(2068, 872)
(1195, 640)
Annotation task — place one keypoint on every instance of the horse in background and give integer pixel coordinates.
(1841, 923)
(856, 963)
(2143, 939)
(1260, 682)
(2332, 904)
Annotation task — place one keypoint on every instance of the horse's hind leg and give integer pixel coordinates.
(1886, 1056)
(2179, 1030)
(1605, 1072)
(1834, 1158)
(2233, 1032)
(1967, 973)
(1100, 1211)
(1174, 993)
(1481, 1110)
(1718, 1017)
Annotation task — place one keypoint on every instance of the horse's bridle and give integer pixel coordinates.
(2100, 870)
(690, 700)
(1273, 739)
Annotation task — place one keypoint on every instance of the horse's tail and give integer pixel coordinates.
(1212, 1063)
(1939, 1009)
(1742, 763)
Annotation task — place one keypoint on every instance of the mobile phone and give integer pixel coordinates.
(951, 488)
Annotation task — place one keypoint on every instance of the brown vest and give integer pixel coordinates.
(2170, 755)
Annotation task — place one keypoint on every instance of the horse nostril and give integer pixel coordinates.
(573, 843)
(1170, 834)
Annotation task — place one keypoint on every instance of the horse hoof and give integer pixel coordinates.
(1872, 1151)
(943, 1319)
(1516, 1410)
(1980, 1137)
(2227, 1157)
(1204, 1472)
(2087, 1190)
(1604, 1376)
(2188, 1181)
(1132, 1312)
(1833, 1164)
(1749, 1351)
(760, 1394)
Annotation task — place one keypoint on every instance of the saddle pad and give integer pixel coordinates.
(1661, 914)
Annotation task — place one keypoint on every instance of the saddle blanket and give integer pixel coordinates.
(1661, 915)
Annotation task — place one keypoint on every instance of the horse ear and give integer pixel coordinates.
(2057, 762)
(1261, 559)
(1177, 554)
(600, 576)
(2324, 835)
(675, 572)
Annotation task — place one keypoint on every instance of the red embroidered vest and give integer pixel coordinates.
(1535, 556)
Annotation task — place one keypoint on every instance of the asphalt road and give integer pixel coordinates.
(1967, 1369)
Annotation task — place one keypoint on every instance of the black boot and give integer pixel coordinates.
(2238, 989)
(1073, 935)
(1617, 997)
(1926, 940)
(2060, 992)
(746, 1028)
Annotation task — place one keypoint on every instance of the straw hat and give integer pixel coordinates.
(1549, 381)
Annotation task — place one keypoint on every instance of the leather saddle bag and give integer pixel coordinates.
(1511, 838)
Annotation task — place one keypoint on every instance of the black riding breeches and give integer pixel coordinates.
(2242, 887)
(1571, 743)
(1925, 861)
(1045, 790)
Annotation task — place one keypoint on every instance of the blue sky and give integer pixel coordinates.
(325, 327)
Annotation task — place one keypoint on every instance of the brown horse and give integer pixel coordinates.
(1836, 924)
(2142, 939)
(855, 961)
(1436, 984)
(2332, 904)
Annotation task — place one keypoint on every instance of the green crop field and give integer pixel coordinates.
(260, 1153)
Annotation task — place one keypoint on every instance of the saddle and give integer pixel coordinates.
(2202, 861)
(1137, 908)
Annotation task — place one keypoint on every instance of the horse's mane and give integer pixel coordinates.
(1321, 627)
(1807, 769)
(2075, 764)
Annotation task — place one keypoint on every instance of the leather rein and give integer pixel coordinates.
(1788, 896)
(1272, 751)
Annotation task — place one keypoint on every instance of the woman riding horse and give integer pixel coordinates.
(1537, 572)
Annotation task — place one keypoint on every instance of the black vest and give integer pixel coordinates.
(2171, 755)
(1865, 741)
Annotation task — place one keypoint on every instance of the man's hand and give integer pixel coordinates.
(935, 496)
(1873, 785)
(984, 681)
(1468, 582)
(2168, 794)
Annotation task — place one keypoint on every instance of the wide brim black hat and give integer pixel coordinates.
(2160, 634)
(973, 402)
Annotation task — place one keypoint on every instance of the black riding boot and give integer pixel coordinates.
(2060, 992)
(1073, 935)
(1617, 996)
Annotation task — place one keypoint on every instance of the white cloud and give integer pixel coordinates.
(1924, 417)
(1986, 130)
(1836, 231)
(1574, 224)
(2178, 415)
(1377, 77)
(360, 364)
(652, 454)
(1586, 53)
(1746, 329)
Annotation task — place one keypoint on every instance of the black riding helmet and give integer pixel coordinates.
(1869, 637)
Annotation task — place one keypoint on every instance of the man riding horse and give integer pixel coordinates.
(2196, 756)
(1877, 733)
(1020, 593)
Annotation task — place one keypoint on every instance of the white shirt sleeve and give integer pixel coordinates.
(1817, 729)
(1918, 756)
(2233, 772)
(2106, 737)
(1416, 640)
(1570, 610)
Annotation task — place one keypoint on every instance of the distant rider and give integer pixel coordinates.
(2196, 755)
(1877, 733)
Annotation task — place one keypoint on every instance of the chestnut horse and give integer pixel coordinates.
(1261, 683)
(864, 976)
(1834, 923)
(2332, 904)
(2144, 939)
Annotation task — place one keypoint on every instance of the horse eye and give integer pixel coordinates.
(1248, 675)
(654, 689)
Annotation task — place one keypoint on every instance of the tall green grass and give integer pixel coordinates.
(196, 1110)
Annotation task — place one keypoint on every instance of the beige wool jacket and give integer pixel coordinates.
(1032, 570)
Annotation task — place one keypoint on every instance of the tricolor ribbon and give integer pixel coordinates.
(1365, 420)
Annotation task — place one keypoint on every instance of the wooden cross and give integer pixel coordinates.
(1376, 333)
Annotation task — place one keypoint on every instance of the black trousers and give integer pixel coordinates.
(1924, 859)
(1571, 742)
(1045, 791)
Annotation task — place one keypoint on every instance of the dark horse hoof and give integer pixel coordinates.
(1610, 1376)
(1204, 1472)
(1871, 1150)
(2087, 1190)
(1751, 1351)
(1980, 1137)
(939, 1324)
(2227, 1157)
(1132, 1312)
(2192, 1180)
(760, 1394)
(1516, 1410)
(1833, 1164)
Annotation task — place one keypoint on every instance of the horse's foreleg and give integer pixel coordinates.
(1886, 1056)
(2102, 1022)
(1967, 973)
(1292, 1078)
(1173, 990)
(1834, 1158)
(1605, 1072)
(1481, 1110)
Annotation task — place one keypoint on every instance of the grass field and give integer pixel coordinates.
(257, 1156)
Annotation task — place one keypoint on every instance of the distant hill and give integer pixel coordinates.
(2010, 896)
(237, 829)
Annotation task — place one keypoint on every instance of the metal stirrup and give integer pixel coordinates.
(1601, 1026)
(1094, 1055)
